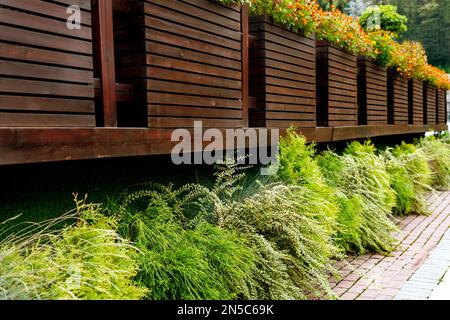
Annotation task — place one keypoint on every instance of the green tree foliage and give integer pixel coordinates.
(384, 17)
(428, 22)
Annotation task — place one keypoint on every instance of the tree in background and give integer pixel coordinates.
(384, 17)
(429, 22)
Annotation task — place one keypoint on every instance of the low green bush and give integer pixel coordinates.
(87, 260)
(411, 178)
(438, 153)
(200, 262)
(365, 197)
(288, 231)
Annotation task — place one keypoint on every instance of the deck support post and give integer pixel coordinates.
(245, 66)
(107, 61)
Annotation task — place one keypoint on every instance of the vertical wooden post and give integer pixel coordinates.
(245, 65)
(107, 61)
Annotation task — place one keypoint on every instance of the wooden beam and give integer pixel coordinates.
(107, 61)
(35, 145)
(245, 65)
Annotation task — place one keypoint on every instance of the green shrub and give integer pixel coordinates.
(438, 153)
(411, 178)
(365, 198)
(299, 166)
(389, 19)
(203, 262)
(288, 231)
(87, 261)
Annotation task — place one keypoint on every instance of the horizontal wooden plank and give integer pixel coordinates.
(43, 24)
(38, 39)
(9, 85)
(187, 43)
(168, 122)
(29, 54)
(38, 71)
(26, 103)
(195, 101)
(45, 120)
(51, 9)
(182, 65)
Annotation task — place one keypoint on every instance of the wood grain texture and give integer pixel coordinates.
(398, 94)
(185, 62)
(46, 69)
(283, 77)
(33, 145)
(441, 106)
(372, 93)
(429, 106)
(416, 102)
(337, 94)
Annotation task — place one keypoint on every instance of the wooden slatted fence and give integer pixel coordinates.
(46, 69)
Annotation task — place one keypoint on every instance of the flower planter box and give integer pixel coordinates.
(372, 93)
(415, 99)
(429, 106)
(398, 103)
(441, 106)
(337, 83)
(282, 76)
(46, 70)
(185, 62)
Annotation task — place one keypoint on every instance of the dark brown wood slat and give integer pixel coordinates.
(193, 66)
(181, 17)
(33, 38)
(44, 56)
(47, 104)
(441, 106)
(282, 76)
(197, 45)
(178, 122)
(416, 103)
(430, 104)
(336, 87)
(27, 70)
(50, 120)
(372, 93)
(50, 9)
(398, 109)
(195, 34)
(46, 70)
(186, 54)
(20, 19)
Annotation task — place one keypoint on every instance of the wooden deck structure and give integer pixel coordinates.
(136, 70)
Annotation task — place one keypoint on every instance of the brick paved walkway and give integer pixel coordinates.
(375, 276)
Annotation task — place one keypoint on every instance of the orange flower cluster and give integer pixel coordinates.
(434, 76)
(343, 31)
(295, 15)
(408, 58)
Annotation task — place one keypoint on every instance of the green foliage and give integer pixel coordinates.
(283, 225)
(203, 262)
(438, 154)
(365, 197)
(87, 261)
(384, 17)
(230, 2)
(287, 229)
(429, 22)
(411, 178)
(297, 16)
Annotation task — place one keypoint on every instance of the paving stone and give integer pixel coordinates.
(414, 269)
